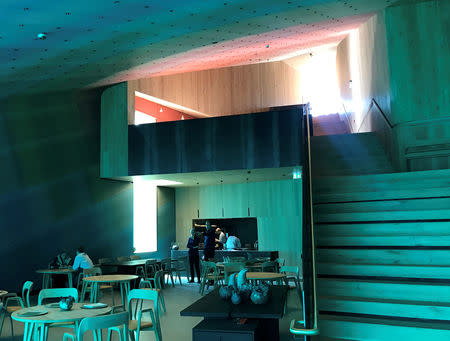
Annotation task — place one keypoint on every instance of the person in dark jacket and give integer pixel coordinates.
(194, 258)
(210, 242)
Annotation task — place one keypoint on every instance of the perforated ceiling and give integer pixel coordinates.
(93, 42)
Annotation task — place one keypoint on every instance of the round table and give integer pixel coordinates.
(53, 315)
(123, 280)
(47, 273)
(265, 276)
(3, 293)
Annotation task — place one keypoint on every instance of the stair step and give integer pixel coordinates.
(381, 194)
(382, 216)
(395, 308)
(441, 228)
(385, 256)
(385, 270)
(384, 206)
(381, 182)
(400, 290)
(388, 329)
(330, 240)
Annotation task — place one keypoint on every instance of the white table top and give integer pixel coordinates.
(3, 293)
(110, 278)
(57, 315)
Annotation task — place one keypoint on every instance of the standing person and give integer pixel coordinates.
(194, 258)
(222, 237)
(210, 242)
(82, 260)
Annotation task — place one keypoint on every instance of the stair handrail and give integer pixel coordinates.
(372, 103)
(315, 329)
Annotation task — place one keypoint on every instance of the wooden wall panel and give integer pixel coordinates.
(114, 132)
(419, 59)
(227, 91)
(275, 204)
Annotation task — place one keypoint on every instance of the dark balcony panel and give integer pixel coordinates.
(263, 140)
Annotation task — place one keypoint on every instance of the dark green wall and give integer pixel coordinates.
(51, 197)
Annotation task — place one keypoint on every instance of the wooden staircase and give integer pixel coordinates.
(331, 124)
(383, 254)
(348, 154)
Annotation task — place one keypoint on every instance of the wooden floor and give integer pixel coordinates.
(174, 327)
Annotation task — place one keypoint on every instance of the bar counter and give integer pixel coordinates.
(219, 254)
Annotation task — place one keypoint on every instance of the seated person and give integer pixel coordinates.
(82, 260)
(233, 243)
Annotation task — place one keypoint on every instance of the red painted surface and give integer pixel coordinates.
(247, 50)
(154, 109)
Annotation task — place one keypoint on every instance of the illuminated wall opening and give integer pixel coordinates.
(144, 216)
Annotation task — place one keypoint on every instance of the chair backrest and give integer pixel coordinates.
(26, 289)
(105, 260)
(123, 258)
(269, 267)
(92, 272)
(56, 293)
(290, 270)
(230, 268)
(135, 257)
(166, 263)
(139, 295)
(157, 280)
(280, 261)
(102, 322)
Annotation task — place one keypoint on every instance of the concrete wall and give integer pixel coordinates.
(362, 58)
(401, 58)
(51, 197)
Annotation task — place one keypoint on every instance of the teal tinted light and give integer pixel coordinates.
(297, 173)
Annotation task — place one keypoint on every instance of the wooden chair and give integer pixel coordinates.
(136, 323)
(97, 323)
(280, 262)
(166, 267)
(8, 308)
(150, 268)
(210, 272)
(269, 267)
(230, 268)
(45, 294)
(155, 284)
(85, 286)
(293, 273)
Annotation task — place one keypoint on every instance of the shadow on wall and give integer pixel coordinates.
(51, 197)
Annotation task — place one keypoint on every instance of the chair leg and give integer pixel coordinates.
(179, 277)
(163, 304)
(1, 322)
(12, 327)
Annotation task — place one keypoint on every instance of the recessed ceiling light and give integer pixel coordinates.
(42, 36)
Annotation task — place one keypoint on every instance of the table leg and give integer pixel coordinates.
(44, 281)
(122, 289)
(92, 292)
(69, 276)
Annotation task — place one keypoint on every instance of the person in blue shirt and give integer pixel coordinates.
(194, 258)
(210, 242)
